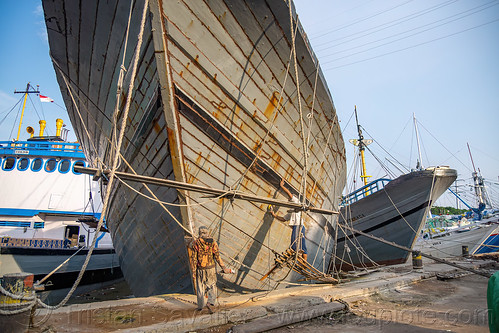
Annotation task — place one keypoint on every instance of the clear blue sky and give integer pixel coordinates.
(391, 58)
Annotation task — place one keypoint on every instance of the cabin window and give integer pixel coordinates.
(64, 166)
(78, 163)
(9, 163)
(36, 165)
(71, 236)
(23, 164)
(51, 165)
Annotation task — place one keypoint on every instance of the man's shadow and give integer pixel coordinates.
(255, 247)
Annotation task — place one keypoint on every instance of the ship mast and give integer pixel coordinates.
(419, 164)
(361, 143)
(479, 187)
(24, 105)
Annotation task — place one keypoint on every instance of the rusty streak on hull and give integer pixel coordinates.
(228, 60)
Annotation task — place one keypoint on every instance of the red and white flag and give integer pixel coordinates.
(46, 99)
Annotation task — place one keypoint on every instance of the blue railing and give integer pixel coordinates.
(41, 148)
(364, 191)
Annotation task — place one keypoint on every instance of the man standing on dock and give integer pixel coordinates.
(205, 252)
(295, 220)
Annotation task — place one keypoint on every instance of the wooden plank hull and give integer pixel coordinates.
(213, 104)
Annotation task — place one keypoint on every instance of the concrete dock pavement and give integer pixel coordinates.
(255, 312)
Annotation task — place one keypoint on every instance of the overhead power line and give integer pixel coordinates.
(358, 21)
(382, 27)
(408, 47)
(404, 32)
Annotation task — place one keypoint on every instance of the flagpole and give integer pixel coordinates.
(24, 105)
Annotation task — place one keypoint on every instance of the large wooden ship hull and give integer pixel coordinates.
(215, 103)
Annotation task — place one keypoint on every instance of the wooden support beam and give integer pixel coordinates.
(231, 194)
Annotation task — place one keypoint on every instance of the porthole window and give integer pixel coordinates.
(23, 164)
(64, 166)
(51, 165)
(9, 163)
(37, 164)
(78, 163)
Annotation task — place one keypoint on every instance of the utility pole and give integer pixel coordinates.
(33, 91)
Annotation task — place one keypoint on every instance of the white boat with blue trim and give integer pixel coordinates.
(49, 211)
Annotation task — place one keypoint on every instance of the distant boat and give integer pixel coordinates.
(477, 238)
(392, 209)
(220, 100)
(48, 213)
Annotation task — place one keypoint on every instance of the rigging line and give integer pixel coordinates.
(311, 114)
(314, 186)
(398, 211)
(15, 120)
(386, 151)
(8, 112)
(222, 72)
(355, 242)
(383, 166)
(75, 105)
(120, 80)
(410, 47)
(156, 199)
(169, 203)
(109, 140)
(335, 118)
(398, 20)
(398, 34)
(425, 152)
(334, 250)
(41, 106)
(361, 20)
(477, 148)
(393, 244)
(95, 122)
(265, 138)
(320, 244)
(353, 172)
(47, 129)
(303, 185)
(444, 146)
(238, 183)
(348, 122)
(113, 170)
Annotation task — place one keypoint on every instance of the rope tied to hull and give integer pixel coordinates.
(293, 260)
(113, 169)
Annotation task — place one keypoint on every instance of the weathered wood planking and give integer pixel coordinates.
(230, 58)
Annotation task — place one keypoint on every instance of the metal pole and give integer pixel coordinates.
(417, 140)
(24, 104)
